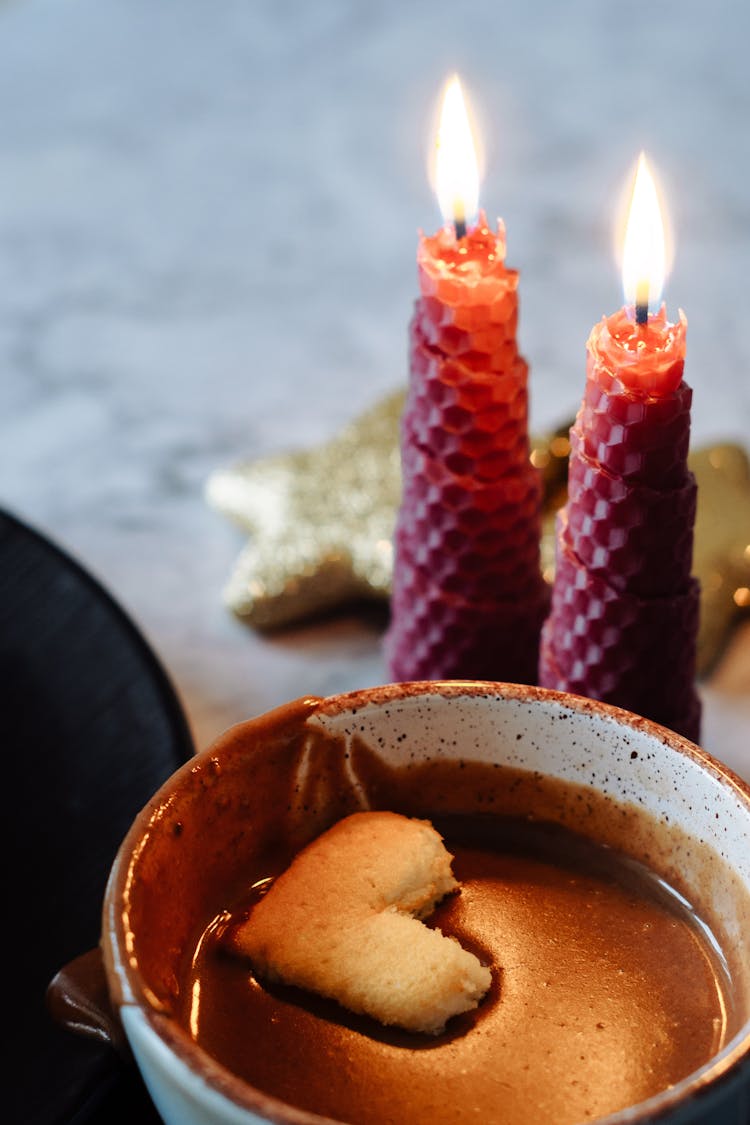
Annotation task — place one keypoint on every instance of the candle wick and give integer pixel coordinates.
(460, 228)
(641, 312)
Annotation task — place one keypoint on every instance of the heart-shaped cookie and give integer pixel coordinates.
(344, 921)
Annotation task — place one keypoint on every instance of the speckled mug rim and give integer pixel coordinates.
(727, 1067)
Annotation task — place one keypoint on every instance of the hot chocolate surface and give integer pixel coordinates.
(605, 991)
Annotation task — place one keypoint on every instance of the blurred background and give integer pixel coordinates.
(208, 219)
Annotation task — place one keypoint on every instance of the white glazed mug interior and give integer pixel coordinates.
(702, 842)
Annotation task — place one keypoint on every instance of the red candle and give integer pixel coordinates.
(468, 596)
(624, 616)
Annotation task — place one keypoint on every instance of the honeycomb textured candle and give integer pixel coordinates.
(624, 616)
(468, 596)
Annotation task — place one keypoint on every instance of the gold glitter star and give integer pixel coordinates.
(321, 522)
(721, 557)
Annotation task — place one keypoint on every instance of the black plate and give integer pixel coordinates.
(91, 726)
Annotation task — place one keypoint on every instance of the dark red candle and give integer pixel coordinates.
(624, 616)
(468, 596)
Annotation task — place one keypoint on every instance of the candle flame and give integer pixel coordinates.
(644, 250)
(456, 167)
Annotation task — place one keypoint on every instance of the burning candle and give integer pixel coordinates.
(468, 596)
(624, 616)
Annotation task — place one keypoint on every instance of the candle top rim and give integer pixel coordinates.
(470, 270)
(647, 359)
(481, 246)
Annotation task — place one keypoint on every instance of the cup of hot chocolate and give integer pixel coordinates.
(603, 870)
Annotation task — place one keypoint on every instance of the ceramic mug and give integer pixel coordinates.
(691, 825)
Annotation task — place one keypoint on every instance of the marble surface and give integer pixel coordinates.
(208, 213)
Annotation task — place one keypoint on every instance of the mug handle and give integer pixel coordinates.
(78, 999)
